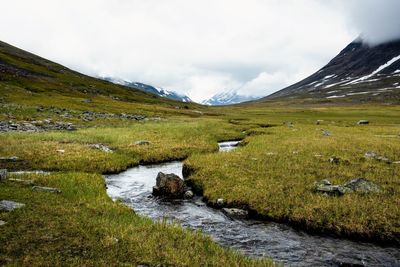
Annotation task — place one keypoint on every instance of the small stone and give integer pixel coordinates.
(3, 174)
(101, 147)
(236, 213)
(318, 122)
(189, 194)
(360, 122)
(334, 160)
(46, 189)
(142, 142)
(2, 222)
(61, 151)
(326, 133)
(220, 202)
(370, 155)
(326, 182)
(8, 205)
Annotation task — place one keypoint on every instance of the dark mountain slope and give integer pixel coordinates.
(359, 73)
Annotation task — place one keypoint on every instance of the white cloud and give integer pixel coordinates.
(193, 47)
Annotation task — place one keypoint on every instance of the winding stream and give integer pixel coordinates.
(253, 238)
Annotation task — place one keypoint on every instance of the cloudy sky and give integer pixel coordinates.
(197, 48)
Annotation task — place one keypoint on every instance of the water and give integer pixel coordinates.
(253, 238)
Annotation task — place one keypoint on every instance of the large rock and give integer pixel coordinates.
(169, 185)
(8, 205)
(3, 174)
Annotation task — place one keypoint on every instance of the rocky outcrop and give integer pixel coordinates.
(35, 126)
(359, 185)
(169, 185)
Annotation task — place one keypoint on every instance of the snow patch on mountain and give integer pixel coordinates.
(150, 89)
(227, 98)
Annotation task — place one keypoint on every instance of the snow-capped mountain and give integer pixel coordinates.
(359, 73)
(151, 89)
(227, 98)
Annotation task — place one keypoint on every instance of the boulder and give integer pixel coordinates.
(8, 205)
(3, 174)
(46, 189)
(360, 122)
(169, 185)
(235, 213)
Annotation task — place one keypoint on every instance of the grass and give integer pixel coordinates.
(274, 175)
(83, 227)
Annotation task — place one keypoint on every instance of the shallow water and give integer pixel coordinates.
(253, 238)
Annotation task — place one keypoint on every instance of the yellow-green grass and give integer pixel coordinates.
(82, 227)
(169, 140)
(274, 175)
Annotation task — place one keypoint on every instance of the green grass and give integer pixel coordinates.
(274, 175)
(83, 227)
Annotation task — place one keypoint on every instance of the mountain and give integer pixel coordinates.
(360, 73)
(29, 82)
(151, 89)
(227, 98)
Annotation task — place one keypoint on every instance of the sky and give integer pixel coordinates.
(198, 48)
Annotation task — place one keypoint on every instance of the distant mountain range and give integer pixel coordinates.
(151, 89)
(360, 73)
(227, 98)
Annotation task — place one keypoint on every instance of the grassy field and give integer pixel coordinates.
(275, 172)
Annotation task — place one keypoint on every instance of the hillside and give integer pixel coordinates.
(360, 73)
(28, 82)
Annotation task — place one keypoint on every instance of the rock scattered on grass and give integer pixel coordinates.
(101, 147)
(35, 126)
(361, 122)
(235, 213)
(376, 156)
(326, 133)
(2, 222)
(8, 205)
(46, 189)
(359, 185)
(3, 174)
(142, 143)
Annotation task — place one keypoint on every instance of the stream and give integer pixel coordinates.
(253, 238)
